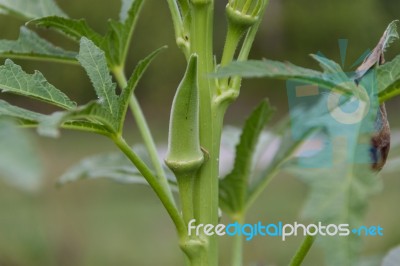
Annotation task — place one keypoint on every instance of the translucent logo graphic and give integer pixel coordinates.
(342, 118)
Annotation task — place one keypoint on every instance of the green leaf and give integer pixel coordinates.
(92, 58)
(279, 70)
(133, 81)
(116, 41)
(339, 197)
(14, 80)
(119, 33)
(31, 9)
(31, 46)
(328, 65)
(114, 166)
(20, 165)
(234, 187)
(86, 126)
(90, 117)
(340, 185)
(48, 125)
(388, 74)
(72, 28)
(20, 114)
(388, 78)
(104, 116)
(287, 148)
(392, 258)
(337, 74)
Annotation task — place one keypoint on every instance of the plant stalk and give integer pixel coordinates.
(246, 47)
(237, 248)
(302, 251)
(153, 181)
(206, 183)
(144, 131)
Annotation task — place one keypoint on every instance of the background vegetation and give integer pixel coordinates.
(102, 223)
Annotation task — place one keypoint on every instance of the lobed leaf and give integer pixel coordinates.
(32, 46)
(340, 184)
(279, 70)
(90, 117)
(48, 125)
(22, 115)
(388, 78)
(133, 81)
(328, 65)
(234, 187)
(92, 58)
(72, 28)
(20, 165)
(113, 166)
(104, 116)
(14, 80)
(117, 38)
(119, 32)
(31, 9)
(286, 150)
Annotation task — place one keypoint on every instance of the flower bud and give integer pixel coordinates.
(244, 13)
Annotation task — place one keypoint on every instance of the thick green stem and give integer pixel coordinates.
(206, 183)
(144, 131)
(302, 251)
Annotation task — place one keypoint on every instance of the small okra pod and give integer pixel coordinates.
(184, 155)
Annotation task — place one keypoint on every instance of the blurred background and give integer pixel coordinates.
(102, 223)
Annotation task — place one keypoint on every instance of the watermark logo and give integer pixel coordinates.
(281, 230)
(343, 117)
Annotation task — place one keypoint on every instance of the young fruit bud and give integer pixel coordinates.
(184, 153)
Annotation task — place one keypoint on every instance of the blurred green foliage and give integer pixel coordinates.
(100, 223)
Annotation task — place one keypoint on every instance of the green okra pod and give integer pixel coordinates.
(184, 155)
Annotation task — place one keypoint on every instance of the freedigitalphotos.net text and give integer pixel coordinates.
(280, 229)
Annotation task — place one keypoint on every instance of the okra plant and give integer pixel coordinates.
(190, 170)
